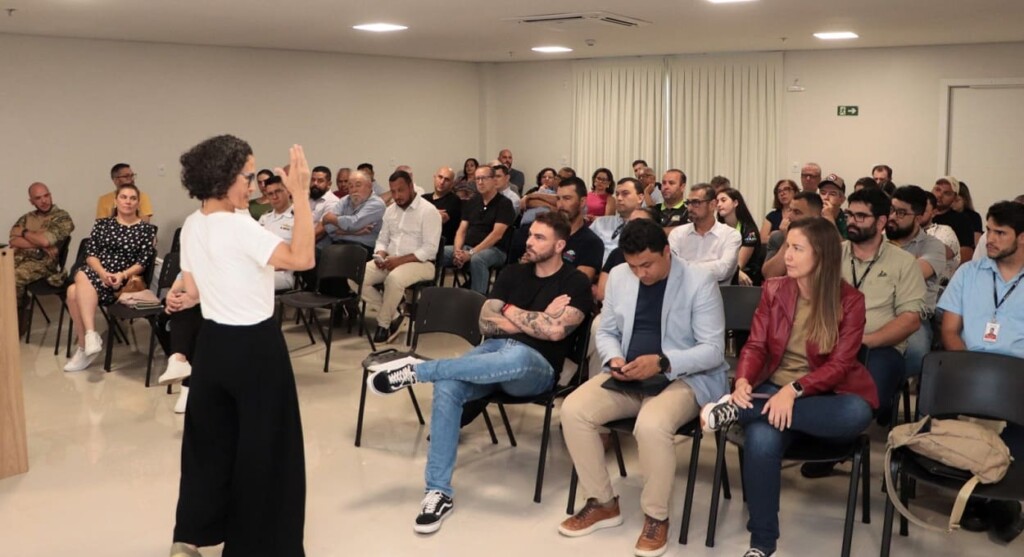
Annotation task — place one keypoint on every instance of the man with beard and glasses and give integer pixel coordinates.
(321, 198)
(904, 230)
(983, 311)
(533, 309)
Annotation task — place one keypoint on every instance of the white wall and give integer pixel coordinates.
(69, 109)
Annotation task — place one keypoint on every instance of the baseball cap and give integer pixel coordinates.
(953, 183)
(833, 180)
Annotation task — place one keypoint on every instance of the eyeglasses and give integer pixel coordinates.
(249, 177)
(858, 217)
(902, 213)
(810, 175)
(697, 202)
(482, 178)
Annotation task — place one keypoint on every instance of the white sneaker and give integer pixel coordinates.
(79, 361)
(179, 407)
(93, 343)
(176, 371)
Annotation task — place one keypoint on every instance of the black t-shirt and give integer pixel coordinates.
(453, 206)
(960, 224)
(646, 336)
(615, 258)
(585, 249)
(520, 286)
(750, 237)
(975, 219)
(482, 218)
(672, 217)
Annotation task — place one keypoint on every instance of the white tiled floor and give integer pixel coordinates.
(104, 457)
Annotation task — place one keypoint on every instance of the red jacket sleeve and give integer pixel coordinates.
(843, 358)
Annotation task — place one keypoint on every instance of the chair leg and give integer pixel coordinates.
(743, 485)
(305, 322)
(328, 340)
(545, 437)
(31, 309)
(851, 503)
(617, 446)
(887, 528)
(906, 402)
(574, 479)
(362, 407)
(726, 488)
(716, 485)
(416, 406)
(36, 301)
(152, 348)
(490, 426)
(865, 460)
(71, 330)
(60, 325)
(904, 493)
(508, 426)
(110, 344)
(691, 480)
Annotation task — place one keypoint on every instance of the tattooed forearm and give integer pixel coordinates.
(543, 326)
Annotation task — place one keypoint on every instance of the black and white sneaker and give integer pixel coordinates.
(717, 415)
(389, 381)
(436, 506)
(755, 552)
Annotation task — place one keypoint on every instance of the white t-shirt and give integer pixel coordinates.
(227, 255)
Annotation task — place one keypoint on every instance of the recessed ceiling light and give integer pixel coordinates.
(551, 49)
(836, 35)
(729, 1)
(380, 27)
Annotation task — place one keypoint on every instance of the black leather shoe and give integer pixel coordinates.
(815, 470)
(1007, 520)
(976, 516)
(381, 335)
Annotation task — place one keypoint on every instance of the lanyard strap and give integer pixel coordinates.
(995, 287)
(853, 271)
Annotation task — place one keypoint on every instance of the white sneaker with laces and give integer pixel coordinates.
(179, 407)
(176, 371)
(93, 343)
(79, 361)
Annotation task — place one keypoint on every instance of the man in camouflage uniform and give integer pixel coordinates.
(36, 238)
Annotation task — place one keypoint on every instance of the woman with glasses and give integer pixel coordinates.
(798, 373)
(732, 210)
(261, 205)
(783, 195)
(600, 201)
(243, 479)
(120, 250)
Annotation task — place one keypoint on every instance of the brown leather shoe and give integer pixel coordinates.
(653, 539)
(593, 516)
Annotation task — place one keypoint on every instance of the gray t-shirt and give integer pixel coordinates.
(933, 252)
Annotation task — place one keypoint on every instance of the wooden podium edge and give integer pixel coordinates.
(13, 440)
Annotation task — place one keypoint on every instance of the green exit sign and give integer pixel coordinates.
(847, 111)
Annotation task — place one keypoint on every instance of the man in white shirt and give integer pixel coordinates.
(404, 253)
(704, 241)
(280, 220)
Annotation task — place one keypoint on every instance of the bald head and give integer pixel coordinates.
(505, 156)
(39, 197)
(444, 179)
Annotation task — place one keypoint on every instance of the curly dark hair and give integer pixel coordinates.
(210, 168)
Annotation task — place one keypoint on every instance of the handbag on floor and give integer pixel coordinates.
(954, 448)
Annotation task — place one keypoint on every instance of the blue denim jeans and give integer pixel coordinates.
(830, 417)
(480, 264)
(888, 368)
(497, 364)
(918, 345)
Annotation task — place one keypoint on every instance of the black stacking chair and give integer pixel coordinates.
(978, 384)
(739, 303)
(41, 287)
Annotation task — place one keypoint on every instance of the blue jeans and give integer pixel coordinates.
(831, 417)
(480, 264)
(498, 363)
(918, 345)
(888, 368)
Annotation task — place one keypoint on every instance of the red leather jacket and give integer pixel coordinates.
(838, 372)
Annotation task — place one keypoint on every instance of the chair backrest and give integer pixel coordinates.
(176, 241)
(169, 270)
(454, 311)
(342, 261)
(579, 345)
(83, 249)
(980, 384)
(439, 262)
(740, 302)
(62, 252)
(147, 273)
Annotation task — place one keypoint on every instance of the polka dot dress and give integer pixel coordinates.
(118, 247)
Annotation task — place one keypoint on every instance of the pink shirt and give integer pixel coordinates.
(596, 204)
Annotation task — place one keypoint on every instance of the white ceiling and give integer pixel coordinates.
(476, 30)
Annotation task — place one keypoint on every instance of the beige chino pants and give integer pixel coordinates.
(395, 283)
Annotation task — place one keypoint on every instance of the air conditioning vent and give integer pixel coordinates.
(581, 19)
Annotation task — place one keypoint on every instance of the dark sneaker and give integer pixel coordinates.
(380, 335)
(592, 517)
(394, 328)
(717, 415)
(1007, 520)
(388, 381)
(755, 552)
(815, 470)
(436, 506)
(653, 540)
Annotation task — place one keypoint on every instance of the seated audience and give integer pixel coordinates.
(466, 178)
(403, 255)
(379, 190)
(106, 206)
(704, 242)
(542, 198)
(261, 205)
(600, 200)
(833, 195)
(448, 205)
(863, 182)
(946, 191)
(281, 221)
(733, 211)
(810, 177)
(533, 308)
(798, 372)
(964, 205)
(903, 230)
(782, 195)
(662, 318)
(515, 176)
(981, 319)
(36, 238)
(882, 175)
(357, 218)
(944, 234)
(486, 219)
(652, 188)
(501, 177)
(804, 204)
(321, 199)
(566, 172)
(628, 197)
(341, 182)
(720, 183)
(583, 249)
(672, 209)
(983, 240)
(121, 248)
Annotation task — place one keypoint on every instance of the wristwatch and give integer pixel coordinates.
(798, 388)
(664, 363)
(468, 250)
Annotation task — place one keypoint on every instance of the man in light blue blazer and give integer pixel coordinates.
(661, 343)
